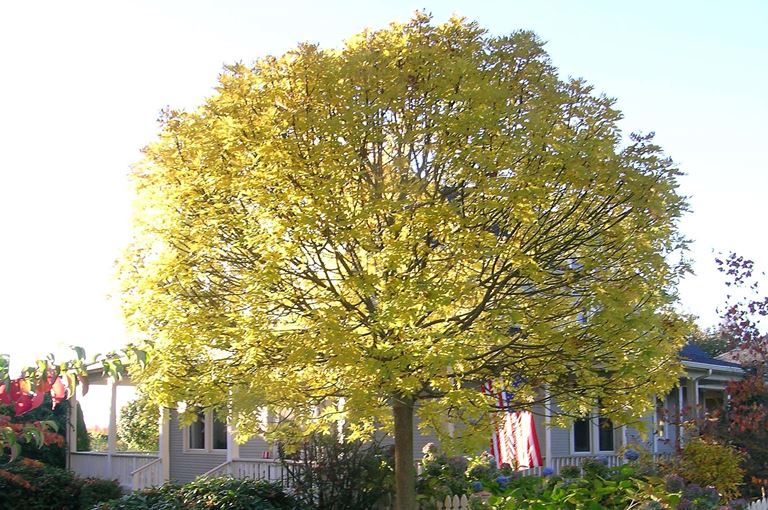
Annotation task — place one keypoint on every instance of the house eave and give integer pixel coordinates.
(715, 368)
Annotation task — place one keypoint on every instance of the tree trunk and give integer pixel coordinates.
(405, 476)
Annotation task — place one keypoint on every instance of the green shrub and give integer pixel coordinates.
(570, 471)
(30, 485)
(208, 494)
(138, 427)
(595, 467)
(38, 487)
(165, 497)
(621, 489)
(329, 474)
(706, 462)
(83, 438)
(96, 490)
(441, 475)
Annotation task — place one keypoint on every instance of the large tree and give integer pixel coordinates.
(139, 424)
(368, 232)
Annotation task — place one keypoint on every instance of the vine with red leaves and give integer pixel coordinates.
(745, 422)
(745, 308)
(27, 392)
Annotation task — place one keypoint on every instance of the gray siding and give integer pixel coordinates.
(184, 466)
(419, 439)
(667, 444)
(664, 444)
(561, 438)
(254, 448)
(634, 437)
(562, 441)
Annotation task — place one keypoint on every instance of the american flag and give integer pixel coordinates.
(514, 440)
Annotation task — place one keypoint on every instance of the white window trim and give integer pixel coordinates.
(597, 437)
(208, 438)
(591, 440)
(594, 438)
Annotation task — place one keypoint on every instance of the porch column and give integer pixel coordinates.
(696, 398)
(654, 423)
(112, 431)
(680, 406)
(233, 448)
(164, 443)
(548, 429)
(71, 431)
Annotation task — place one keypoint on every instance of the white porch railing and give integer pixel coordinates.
(120, 466)
(148, 475)
(257, 469)
(557, 463)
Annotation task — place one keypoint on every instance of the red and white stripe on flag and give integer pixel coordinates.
(514, 441)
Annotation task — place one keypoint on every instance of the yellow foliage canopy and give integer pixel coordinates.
(424, 209)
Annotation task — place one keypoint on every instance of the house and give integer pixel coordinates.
(207, 446)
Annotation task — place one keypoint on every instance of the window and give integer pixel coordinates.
(605, 434)
(207, 433)
(219, 434)
(582, 431)
(591, 432)
(197, 433)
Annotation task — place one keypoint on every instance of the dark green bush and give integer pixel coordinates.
(36, 487)
(207, 494)
(31, 485)
(166, 497)
(96, 490)
(570, 471)
(595, 467)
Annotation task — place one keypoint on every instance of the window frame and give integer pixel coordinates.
(597, 435)
(208, 424)
(593, 420)
(588, 419)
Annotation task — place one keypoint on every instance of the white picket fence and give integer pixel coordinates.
(449, 503)
(761, 504)
(453, 503)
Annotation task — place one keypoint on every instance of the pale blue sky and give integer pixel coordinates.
(81, 84)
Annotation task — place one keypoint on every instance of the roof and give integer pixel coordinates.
(693, 353)
(743, 356)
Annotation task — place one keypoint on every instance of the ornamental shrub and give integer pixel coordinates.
(442, 475)
(621, 489)
(208, 494)
(36, 486)
(706, 462)
(570, 471)
(96, 490)
(595, 467)
(330, 474)
(31, 485)
(53, 453)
